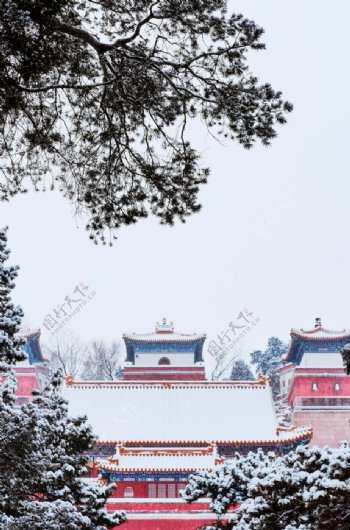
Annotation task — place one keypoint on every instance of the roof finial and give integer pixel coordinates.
(318, 323)
(69, 379)
(164, 327)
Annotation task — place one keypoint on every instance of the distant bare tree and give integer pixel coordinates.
(102, 362)
(223, 363)
(66, 353)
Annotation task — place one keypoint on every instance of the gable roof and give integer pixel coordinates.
(221, 412)
(320, 333)
(32, 348)
(317, 339)
(158, 459)
(164, 337)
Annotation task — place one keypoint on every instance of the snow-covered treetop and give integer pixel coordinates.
(307, 489)
(10, 315)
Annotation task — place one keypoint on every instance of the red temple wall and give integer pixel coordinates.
(26, 384)
(302, 386)
(165, 515)
(165, 524)
(164, 373)
(140, 490)
(163, 377)
(329, 426)
(27, 380)
(153, 506)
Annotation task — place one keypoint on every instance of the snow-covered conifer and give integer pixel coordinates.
(135, 72)
(307, 489)
(269, 361)
(228, 484)
(43, 452)
(346, 357)
(10, 315)
(241, 371)
(43, 458)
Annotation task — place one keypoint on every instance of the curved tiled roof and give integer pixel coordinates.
(32, 347)
(238, 413)
(164, 337)
(30, 333)
(178, 459)
(129, 385)
(328, 340)
(320, 333)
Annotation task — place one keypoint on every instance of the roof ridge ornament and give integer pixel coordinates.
(318, 323)
(263, 379)
(69, 379)
(26, 334)
(164, 327)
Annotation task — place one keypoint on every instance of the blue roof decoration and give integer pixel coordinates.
(317, 340)
(32, 347)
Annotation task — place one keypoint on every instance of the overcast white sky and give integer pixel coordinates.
(273, 235)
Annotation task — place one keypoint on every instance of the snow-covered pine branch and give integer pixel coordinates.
(307, 489)
(97, 97)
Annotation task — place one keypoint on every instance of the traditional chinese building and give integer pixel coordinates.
(164, 421)
(164, 355)
(31, 373)
(315, 384)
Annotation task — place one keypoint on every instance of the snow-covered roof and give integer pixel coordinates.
(164, 332)
(320, 333)
(230, 412)
(164, 336)
(318, 339)
(160, 463)
(159, 459)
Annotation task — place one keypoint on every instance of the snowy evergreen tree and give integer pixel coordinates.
(241, 371)
(42, 458)
(307, 489)
(283, 411)
(42, 450)
(10, 315)
(227, 485)
(269, 361)
(346, 357)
